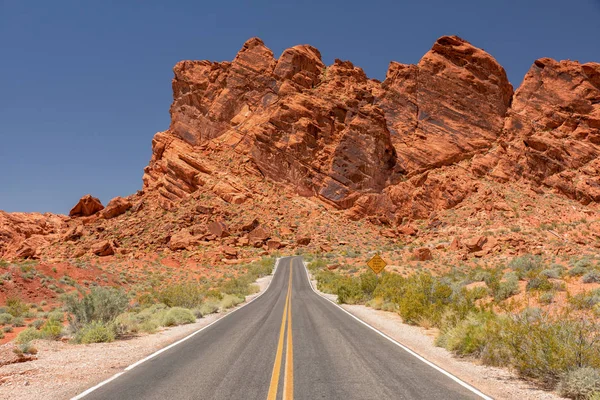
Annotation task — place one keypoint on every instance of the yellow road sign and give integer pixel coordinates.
(376, 264)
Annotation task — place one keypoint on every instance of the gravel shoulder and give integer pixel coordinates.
(63, 370)
(498, 383)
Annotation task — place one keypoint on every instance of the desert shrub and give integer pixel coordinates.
(146, 299)
(390, 287)
(51, 330)
(241, 286)
(554, 273)
(527, 266)
(100, 305)
(261, 268)
(546, 297)
(178, 316)
(16, 307)
(57, 316)
(210, 306)
(95, 332)
(146, 320)
(25, 348)
(230, 300)
(423, 297)
(470, 335)
(503, 288)
(37, 324)
(7, 329)
(591, 277)
(316, 265)
(28, 335)
(368, 284)
(5, 318)
(577, 271)
(544, 349)
(585, 300)
(349, 291)
(540, 283)
(18, 322)
(580, 383)
(186, 295)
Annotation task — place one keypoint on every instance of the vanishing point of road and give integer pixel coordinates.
(289, 343)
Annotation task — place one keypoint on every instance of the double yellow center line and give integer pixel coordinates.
(288, 377)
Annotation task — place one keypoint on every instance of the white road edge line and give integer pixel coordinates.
(118, 374)
(409, 351)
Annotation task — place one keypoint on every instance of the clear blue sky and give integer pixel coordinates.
(84, 85)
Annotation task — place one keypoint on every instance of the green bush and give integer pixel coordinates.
(100, 305)
(229, 301)
(37, 324)
(547, 298)
(527, 266)
(591, 277)
(585, 300)
(57, 316)
(178, 316)
(469, 336)
(506, 288)
(209, 307)
(188, 295)
(18, 322)
(95, 332)
(349, 291)
(52, 330)
(540, 283)
(28, 335)
(5, 318)
(316, 265)
(16, 307)
(580, 383)
(554, 273)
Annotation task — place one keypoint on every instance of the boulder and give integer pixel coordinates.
(475, 243)
(258, 234)
(303, 240)
(86, 206)
(116, 207)
(183, 240)
(32, 247)
(218, 228)
(422, 254)
(407, 230)
(74, 233)
(103, 248)
(274, 244)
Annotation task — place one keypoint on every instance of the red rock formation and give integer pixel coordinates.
(552, 132)
(16, 228)
(86, 206)
(116, 207)
(330, 131)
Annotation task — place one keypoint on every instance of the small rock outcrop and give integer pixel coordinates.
(116, 207)
(86, 206)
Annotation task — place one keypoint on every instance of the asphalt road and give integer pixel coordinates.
(253, 354)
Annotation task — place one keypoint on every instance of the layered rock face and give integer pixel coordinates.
(23, 234)
(552, 132)
(402, 148)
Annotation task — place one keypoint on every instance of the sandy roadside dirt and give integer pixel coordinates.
(64, 370)
(498, 383)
